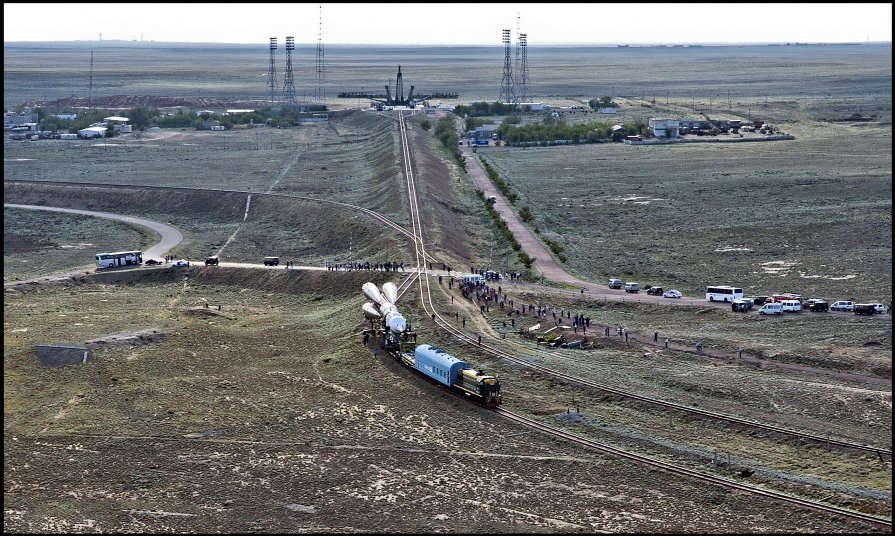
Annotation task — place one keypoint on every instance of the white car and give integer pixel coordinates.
(879, 308)
(843, 305)
(179, 263)
(673, 294)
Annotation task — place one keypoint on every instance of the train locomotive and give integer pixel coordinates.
(392, 333)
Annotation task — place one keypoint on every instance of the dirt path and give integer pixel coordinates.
(170, 236)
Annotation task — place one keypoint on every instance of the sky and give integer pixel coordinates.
(451, 23)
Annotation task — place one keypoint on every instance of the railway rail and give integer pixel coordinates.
(702, 477)
(415, 235)
(429, 307)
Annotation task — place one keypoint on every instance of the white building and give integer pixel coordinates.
(665, 128)
(120, 124)
(92, 132)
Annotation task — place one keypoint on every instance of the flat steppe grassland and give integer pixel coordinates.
(558, 75)
(271, 415)
(812, 215)
(135, 483)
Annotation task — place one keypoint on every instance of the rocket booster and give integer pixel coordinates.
(372, 292)
(371, 311)
(390, 292)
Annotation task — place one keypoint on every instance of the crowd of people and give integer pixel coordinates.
(353, 266)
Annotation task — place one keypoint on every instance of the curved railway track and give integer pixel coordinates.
(421, 275)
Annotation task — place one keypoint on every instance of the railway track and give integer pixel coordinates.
(415, 236)
(690, 473)
(421, 277)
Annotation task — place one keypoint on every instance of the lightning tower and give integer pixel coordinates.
(288, 80)
(518, 63)
(90, 87)
(319, 95)
(523, 91)
(506, 83)
(272, 72)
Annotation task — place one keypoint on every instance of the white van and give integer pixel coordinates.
(773, 308)
(792, 306)
(631, 286)
(474, 279)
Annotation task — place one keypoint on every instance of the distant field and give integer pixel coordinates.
(561, 75)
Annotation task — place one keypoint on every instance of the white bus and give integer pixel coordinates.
(120, 258)
(723, 293)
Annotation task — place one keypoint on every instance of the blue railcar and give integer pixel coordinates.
(438, 364)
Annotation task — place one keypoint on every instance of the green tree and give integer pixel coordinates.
(426, 124)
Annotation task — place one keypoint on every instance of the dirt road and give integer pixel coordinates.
(170, 236)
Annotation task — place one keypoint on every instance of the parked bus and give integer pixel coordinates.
(120, 258)
(723, 293)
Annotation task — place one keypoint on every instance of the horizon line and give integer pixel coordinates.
(497, 45)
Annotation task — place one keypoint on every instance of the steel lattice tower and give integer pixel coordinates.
(90, 88)
(506, 83)
(288, 80)
(517, 66)
(523, 92)
(272, 72)
(319, 94)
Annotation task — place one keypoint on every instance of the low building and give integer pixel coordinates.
(120, 124)
(531, 106)
(12, 119)
(665, 128)
(92, 132)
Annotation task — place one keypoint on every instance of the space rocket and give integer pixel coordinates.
(383, 305)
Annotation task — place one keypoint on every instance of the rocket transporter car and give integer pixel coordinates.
(390, 329)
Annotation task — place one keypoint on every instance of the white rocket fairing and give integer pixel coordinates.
(372, 292)
(395, 321)
(370, 311)
(390, 292)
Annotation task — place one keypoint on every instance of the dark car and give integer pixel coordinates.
(152, 262)
(212, 261)
(864, 309)
(655, 291)
(817, 305)
(271, 261)
(742, 305)
(759, 300)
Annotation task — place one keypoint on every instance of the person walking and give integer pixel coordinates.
(699, 346)
(656, 336)
(666, 342)
(626, 335)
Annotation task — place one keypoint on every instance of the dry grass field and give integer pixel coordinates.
(270, 415)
